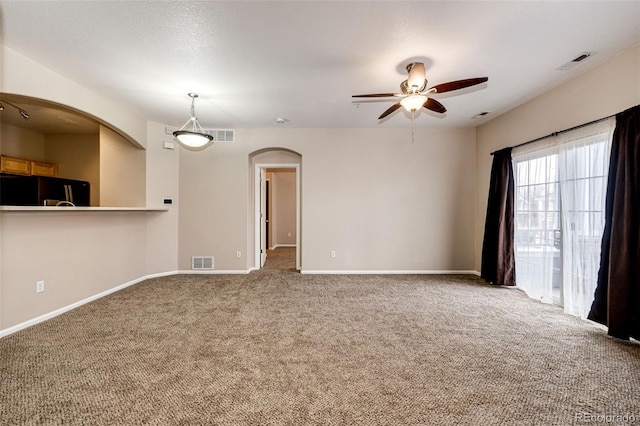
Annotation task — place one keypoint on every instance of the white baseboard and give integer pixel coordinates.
(281, 245)
(390, 272)
(52, 314)
(215, 272)
(77, 304)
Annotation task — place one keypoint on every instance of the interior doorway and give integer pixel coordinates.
(266, 193)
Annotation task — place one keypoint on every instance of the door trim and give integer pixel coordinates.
(256, 213)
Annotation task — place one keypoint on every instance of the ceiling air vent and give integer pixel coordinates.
(202, 262)
(222, 135)
(481, 115)
(575, 61)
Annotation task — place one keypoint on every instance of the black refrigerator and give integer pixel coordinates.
(16, 190)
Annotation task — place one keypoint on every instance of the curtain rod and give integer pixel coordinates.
(561, 131)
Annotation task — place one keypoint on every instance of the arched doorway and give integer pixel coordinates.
(261, 162)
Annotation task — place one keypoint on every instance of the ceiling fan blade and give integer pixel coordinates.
(458, 84)
(391, 109)
(434, 105)
(376, 95)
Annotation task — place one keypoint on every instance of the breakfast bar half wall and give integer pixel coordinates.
(73, 254)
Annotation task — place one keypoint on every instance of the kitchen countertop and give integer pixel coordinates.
(34, 209)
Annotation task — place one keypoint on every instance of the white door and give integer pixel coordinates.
(263, 217)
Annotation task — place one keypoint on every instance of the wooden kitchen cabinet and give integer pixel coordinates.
(14, 165)
(22, 166)
(44, 169)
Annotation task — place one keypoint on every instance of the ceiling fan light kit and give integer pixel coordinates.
(191, 135)
(413, 103)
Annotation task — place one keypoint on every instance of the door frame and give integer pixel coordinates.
(257, 205)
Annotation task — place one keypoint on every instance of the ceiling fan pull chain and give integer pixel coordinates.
(413, 120)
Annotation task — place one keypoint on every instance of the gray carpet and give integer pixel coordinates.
(279, 348)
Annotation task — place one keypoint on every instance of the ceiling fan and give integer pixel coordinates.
(415, 95)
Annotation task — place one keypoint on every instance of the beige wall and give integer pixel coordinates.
(607, 89)
(122, 171)
(213, 187)
(381, 202)
(82, 254)
(283, 201)
(21, 143)
(78, 255)
(23, 76)
(77, 157)
(161, 183)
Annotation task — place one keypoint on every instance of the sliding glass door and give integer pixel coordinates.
(560, 199)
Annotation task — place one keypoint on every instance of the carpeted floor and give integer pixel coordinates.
(280, 348)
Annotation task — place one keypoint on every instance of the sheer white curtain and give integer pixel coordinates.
(583, 163)
(560, 196)
(537, 224)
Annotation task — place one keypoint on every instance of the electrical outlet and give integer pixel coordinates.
(333, 253)
(289, 234)
(238, 254)
(39, 286)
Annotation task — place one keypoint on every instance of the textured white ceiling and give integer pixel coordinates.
(253, 61)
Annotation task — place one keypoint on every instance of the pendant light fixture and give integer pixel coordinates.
(191, 135)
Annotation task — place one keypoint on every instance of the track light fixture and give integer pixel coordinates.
(22, 112)
(191, 135)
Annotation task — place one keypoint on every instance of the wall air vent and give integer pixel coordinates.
(222, 135)
(575, 61)
(202, 262)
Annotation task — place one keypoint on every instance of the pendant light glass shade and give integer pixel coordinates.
(191, 135)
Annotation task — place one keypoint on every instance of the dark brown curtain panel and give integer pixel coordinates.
(617, 295)
(498, 256)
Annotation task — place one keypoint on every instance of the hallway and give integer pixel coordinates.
(281, 259)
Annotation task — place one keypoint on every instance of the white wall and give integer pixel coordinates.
(605, 90)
